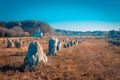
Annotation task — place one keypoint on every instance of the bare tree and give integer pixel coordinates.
(3, 31)
(26, 34)
(11, 32)
(19, 30)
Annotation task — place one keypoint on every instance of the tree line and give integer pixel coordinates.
(24, 28)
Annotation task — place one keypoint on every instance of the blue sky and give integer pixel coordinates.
(80, 15)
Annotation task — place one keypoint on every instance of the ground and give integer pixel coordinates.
(92, 59)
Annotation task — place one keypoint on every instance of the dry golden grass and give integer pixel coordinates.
(93, 59)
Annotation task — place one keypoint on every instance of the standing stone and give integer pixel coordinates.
(71, 43)
(31, 58)
(65, 45)
(79, 42)
(27, 40)
(52, 46)
(18, 44)
(34, 55)
(68, 44)
(41, 55)
(4, 41)
(59, 43)
(76, 42)
(23, 42)
(9, 44)
(20, 39)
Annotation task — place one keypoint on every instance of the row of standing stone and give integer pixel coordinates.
(53, 46)
(114, 42)
(35, 52)
(71, 43)
(17, 43)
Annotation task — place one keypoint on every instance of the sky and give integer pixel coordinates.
(76, 15)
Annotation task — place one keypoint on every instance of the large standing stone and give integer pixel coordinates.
(52, 46)
(34, 55)
(41, 55)
(31, 57)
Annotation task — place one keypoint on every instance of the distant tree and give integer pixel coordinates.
(119, 32)
(19, 31)
(26, 34)
(11, 33)
(12, 24)
(30, 26)
(112, 33)
(3, 31)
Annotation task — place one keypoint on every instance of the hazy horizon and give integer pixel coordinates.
(86, 26)
(75, 15)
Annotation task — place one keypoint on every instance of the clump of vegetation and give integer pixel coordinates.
(13, 32)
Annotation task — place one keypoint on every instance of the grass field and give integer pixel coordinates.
(92, 59)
